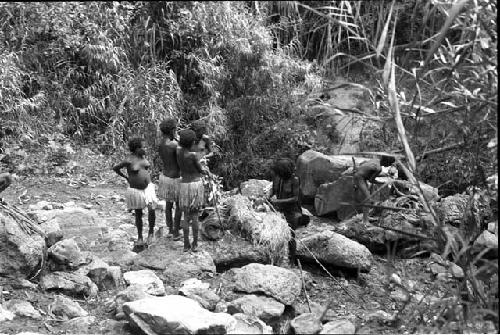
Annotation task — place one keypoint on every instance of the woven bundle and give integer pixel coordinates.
(267, 230)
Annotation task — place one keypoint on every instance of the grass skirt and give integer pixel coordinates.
(169, 188)
(140, 199)
(191, 195)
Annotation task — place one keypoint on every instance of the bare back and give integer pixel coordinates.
(168, 155)
(368, 170)
(189, 165)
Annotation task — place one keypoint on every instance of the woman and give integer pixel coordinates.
(141, 192)
(286, 197)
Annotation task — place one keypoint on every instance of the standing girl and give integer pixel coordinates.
(141, 192)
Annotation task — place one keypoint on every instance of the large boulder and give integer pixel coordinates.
(314, 168)
(333, 249)
(83, 225)
(265, 308)
(21, 254)
(69, 283)
(256, 188)
(174, 314)
(280, 283)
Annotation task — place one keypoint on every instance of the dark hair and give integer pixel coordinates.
(134, 144)
(186, 138)
(387, 160)
(199, 127)
(283, 167)
(167, 126)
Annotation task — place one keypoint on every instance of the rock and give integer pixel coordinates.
(234, 251)
(6, 315)
(21, 254)
(336, 250)
(66, 307)
(331, 196)
(452, 208)
(456, 271)
(395, 279)
(340, 326)
(175, 314)
(131, 293)
(197, 290)
(79, 325)
(113, 327)
(66, 253)
(282, 284)
(302, 308)
(146, 278)
(430, 193)
(493, 227)
(69, 283)
(221, 307)
(256, 188)
(399, 295)
(380, 316)
(314, 169)
(487, 240)
(104, 276)
(81, 224)
(307, 323)
(122, 258)
(119, 240)
(249, 324)
(267, 309)
(23, 308)
(52, 237)
(24, 283)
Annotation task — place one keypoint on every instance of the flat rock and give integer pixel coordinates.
(21, 254)
(173, 314)
(489, 241)
(282, 284)
(335, 249)
(81, 224)
(249, 324)
(199, 291)
(146, 278)
(339, 326)
(68, 283)
(65, 307)
(265, 308)
(23, 308)
(307, 323)
(131, 293)
(315, 168)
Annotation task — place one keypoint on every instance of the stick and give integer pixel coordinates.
(304, 286)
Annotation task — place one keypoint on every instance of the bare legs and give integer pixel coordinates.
(151, 222)
(190, 219)
(173, 225)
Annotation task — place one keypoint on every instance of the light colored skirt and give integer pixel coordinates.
(169, 188)
(191, 195)
(140, 199)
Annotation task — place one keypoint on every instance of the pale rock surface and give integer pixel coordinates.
(146, 278)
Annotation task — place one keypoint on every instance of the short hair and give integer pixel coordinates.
(135, 143)
(387, 160)
(186, 138)
(283, 167)
(199, 127)
(168, 125)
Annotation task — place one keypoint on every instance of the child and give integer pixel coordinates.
(191, 190)
(141, 192)
(286, 196)
(169, 179)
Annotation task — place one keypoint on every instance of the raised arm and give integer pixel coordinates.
(118, 168)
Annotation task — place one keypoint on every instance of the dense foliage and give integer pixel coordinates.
(103, 71)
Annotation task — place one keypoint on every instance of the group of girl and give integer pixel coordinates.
(180, 181)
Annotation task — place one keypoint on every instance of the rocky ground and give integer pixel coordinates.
(390, 294)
